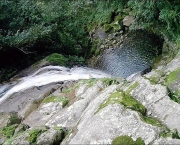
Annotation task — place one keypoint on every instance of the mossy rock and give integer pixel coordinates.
(174, 95)
(118, 19)
(112, 27)
(14, 120)
(89, 82)
(57, 59)
(152, 121)
(172, 77)
(109, 81)
(132, 87)
(54, 99)
(168, 133)
(107, 28)
(126, 140)
(126, 100)
(33, 135)
(97, 52)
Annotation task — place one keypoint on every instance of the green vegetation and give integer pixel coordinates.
(174, 95)
(90, 82)
(62, 99)
(12, 123)
(14, 120)
(160, 16)
(33, 29)
(57, 128)
(126, 100)
(172, 77)
(152, 121)
(11, 139)
(8, 131)
(57, 59)
(70, 89)
(129, 102)
(109, 81)
(127, 140)
(33, 135)
(168, 133)
(132, 87)
(153, 80)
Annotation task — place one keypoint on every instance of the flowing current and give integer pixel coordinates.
(47, 75)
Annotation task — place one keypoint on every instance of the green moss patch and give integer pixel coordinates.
(168, 133)
(58, 128)
(174, 95)
(33, 135)
(126, 100)
(8, 131)
(64, 100)
(172, 77)
(109, 81)
(89, 82)
(70, 89)
(132, 87)
(14, 120)
(153, 80)
(152, 121)
(57, 59)
(112, 27)
(126, 140)
(10, 140)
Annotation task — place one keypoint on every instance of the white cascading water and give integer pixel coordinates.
(47, 75)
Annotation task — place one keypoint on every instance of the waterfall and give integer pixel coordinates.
(47, 75)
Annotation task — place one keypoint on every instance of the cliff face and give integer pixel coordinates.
(140, 109)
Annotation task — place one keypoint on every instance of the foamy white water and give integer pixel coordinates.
(50, 74)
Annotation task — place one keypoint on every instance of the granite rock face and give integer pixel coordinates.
(96, 111)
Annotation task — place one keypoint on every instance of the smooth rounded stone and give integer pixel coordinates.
(166, 141)
(135, 55)
(103, 127)
(41, 115)
(50, 137)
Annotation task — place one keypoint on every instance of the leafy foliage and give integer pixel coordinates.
(162, 16)
(32, 29)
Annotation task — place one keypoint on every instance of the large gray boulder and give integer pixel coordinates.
(111, 122)
(69, 116)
